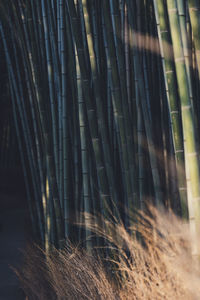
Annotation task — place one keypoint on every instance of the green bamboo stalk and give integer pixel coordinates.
(84, 157)
(91, 109)
(127, 56)
(73, 119)
(26, 128)
(121, 115)
(121, 58)
(39, 158)
(65, 115)
(47, 142)
(98, 95)
(187, 117)
(148, 126)
(50, 82)
(195, 23)
(141, 159)
(173, 99)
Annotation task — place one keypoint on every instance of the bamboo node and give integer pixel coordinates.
(182, 189)
(174, 112)
(179, 151)
(196, 199)
(164, 31)
(179, 59)
(186, 107)
(192, 154)
(194, 8)
(172, 10)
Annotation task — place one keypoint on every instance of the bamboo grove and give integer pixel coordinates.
(8, 141)
(105, 100)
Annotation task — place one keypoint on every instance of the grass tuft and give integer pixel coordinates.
(158, 264)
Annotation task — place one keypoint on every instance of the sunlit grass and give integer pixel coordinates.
(157, 265)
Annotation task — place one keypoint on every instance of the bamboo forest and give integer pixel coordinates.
(100, 108)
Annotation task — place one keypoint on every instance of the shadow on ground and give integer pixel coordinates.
(14, 231)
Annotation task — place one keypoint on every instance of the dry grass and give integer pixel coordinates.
(157, 265)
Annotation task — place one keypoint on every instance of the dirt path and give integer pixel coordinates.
(12, 239)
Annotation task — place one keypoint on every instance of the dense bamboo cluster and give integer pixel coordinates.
(105, 103)
(8, 142)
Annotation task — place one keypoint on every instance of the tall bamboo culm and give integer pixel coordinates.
(105, 102)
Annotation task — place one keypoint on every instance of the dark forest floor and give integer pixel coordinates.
(13, 237)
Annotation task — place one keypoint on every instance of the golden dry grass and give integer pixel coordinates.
(157, 265)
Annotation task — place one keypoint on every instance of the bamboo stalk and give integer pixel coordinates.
(173, 98)
(192, 160)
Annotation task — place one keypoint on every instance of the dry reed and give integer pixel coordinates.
(158, 264)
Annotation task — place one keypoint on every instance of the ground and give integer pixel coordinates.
(13, 238)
